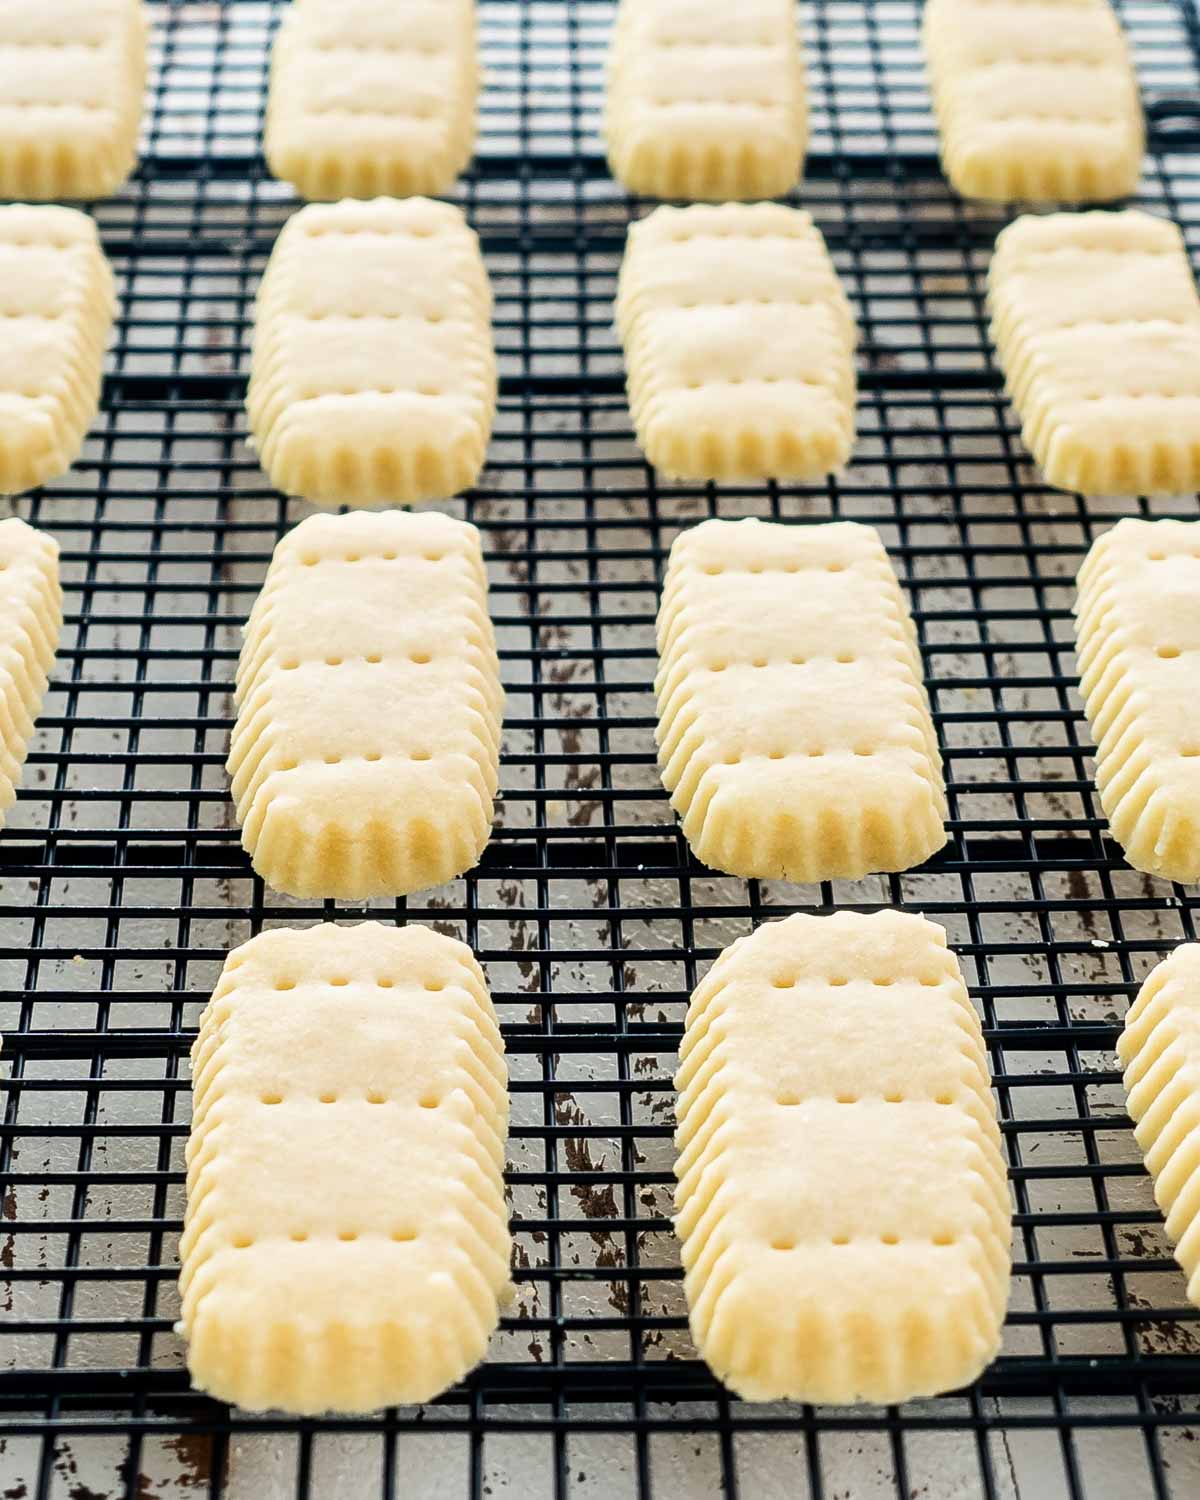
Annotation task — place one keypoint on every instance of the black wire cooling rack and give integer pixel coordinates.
(122, 883)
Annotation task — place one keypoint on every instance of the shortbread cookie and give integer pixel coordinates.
(346, 1237)
(1035, 99)
(1160, 1052)
(366, 750)
(373, 380)
(1097, 323)
(1138, 631)
(368, 98)
(794, 732)
(30, 623)
(706, 101)
(56, 310)
(842, 1199)
(72, 74)
(739, 344)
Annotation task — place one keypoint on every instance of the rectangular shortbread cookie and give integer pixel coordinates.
(1097, 323)
(56, 310)
(366, 750)
(30, 623)
(841, 1193)
(705, 100)
(373, 380)
(1159, 1049)
(1035, 99)
(794, 732)
(1138, 633)
(739, 344)
(368, 98)
(346, 1238)
(72, 74)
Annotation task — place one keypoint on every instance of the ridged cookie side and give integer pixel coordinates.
(1159, 1049)
(57, 300)
(373, 378)
(30, 624)
(346, 1242)
(739, 344)
(367, 100)
(1035, 100)
(72, 78)
(841, 1194)
(1097, 324)
(1137, 629)
(794, 731)
(706, 102)
(365, 756)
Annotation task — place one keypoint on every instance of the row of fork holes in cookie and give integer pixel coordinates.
(311, 559)
(788, 755)
(372, 756)
(419, 658)
(843, 659)
(733, 759)
(789, 1100)
(374, 390)
(787, 1242)
(372, 1096)
(340, 981)
(298, 1236)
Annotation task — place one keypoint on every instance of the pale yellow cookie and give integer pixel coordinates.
(346, 1237)
(30, 623)
(794, 730)
(365, 755)
(373, 379)
(842, 1200)
(72, 74)
(1035, 99)
(706, 100)
(1160, 1052)
(739, 344)
(368, 98)
(1138, 632)
(56, 312)
(1097, 324)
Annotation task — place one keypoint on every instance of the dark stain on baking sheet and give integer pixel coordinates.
(1158, 1335)
(532, 1308)
(594, 1202)
(8, 1246)
(1078, 890)
(195, 1460)
(67, 1469)
(505, 542)
(447, 929)
(18, 1491)
(578, 776)
(597, 1202)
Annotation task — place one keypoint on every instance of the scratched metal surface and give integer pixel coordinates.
(122, 883)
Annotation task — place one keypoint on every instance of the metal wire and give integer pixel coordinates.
(122, 883)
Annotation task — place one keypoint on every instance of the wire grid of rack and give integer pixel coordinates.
(122, 883)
